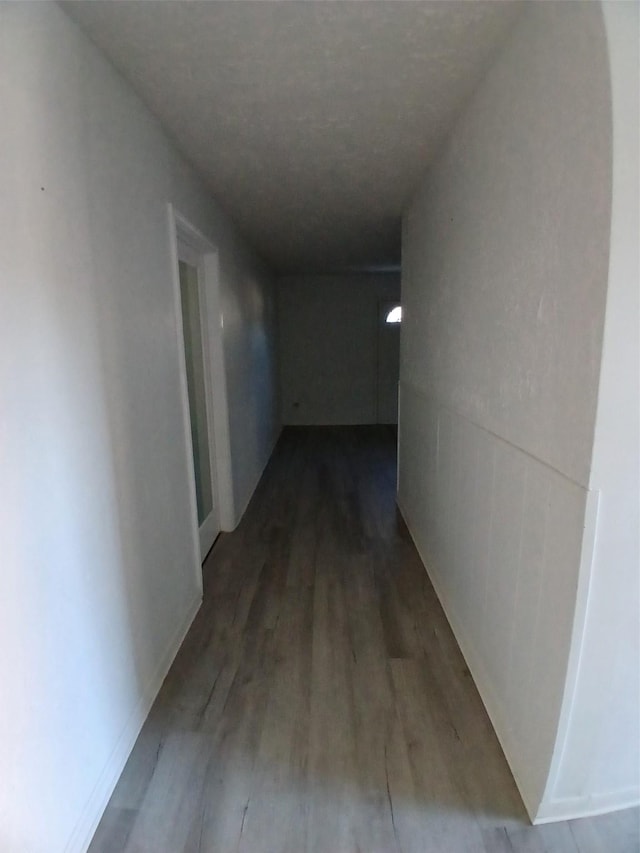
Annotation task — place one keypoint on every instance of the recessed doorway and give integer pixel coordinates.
(199, 395)
(200, 328)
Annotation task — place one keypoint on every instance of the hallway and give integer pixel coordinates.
(320, 701)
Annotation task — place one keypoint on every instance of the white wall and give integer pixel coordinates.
(327, 333)
(505, 261)
(98, 580)
(598, 762)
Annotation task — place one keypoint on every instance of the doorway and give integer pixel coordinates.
(201, 404)
(201, 363)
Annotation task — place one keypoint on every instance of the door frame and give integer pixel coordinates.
(183, 234)
(209, 527)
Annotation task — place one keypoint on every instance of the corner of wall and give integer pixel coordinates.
(90, 817)
(596, 765)
(498, 400)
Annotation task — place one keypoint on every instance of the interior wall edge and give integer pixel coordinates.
(552, 808)
(591, 805)
(598, 767)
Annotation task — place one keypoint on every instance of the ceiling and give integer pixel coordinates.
(312, 122)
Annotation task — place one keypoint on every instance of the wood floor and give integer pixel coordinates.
(320, 702)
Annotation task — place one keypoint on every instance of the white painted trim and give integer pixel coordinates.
(96, 804)
(588, 806)
(186, 252)
(569, 808)
(218, 379)
(208, 266)
(184, 393)
(576, 649)
(211, 526)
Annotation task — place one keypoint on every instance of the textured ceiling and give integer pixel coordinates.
(311, 121)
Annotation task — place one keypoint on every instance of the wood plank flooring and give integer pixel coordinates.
(319, 703)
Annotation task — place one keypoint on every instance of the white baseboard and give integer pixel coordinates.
(476, 668)
(90, 818)
(577, 807)
(539, 812)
